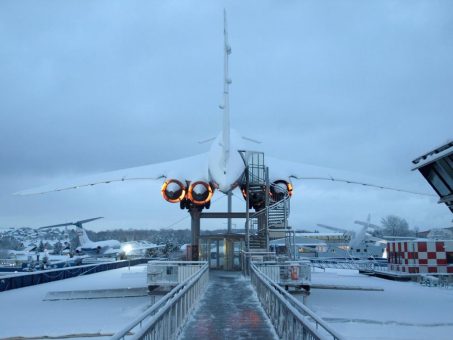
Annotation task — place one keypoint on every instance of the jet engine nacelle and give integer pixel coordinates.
(200, 192)
(257, 198)
(277, 191)
(173, 191)
(279, 188)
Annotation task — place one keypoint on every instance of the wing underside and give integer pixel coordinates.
(281, 169)
(191, 168)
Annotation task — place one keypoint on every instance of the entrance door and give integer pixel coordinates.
(216, 254)
(222, 253)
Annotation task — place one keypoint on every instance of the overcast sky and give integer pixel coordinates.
(91, 86)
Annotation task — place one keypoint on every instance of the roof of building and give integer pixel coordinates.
(300, 241)
(431, 156)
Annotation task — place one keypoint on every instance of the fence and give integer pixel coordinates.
(291, 319)
(365, 265)
(285, 272)
(164, 320)
(29, 279)
(248, 257)
(161, 273)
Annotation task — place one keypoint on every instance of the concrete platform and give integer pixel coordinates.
(96, 294)
(229, 310)
(392, 275)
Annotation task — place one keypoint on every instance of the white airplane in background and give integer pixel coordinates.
(192, 181)
(140, 248)
(88, 247)
(362, 244)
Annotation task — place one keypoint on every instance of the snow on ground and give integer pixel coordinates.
(404, 310)
(24, 313)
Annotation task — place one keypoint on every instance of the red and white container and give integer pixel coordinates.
(421, 256)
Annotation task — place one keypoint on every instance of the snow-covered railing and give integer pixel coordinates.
(164, 319)
(163, 273)
(291, 319)
(285, 272)
(248, 257)
(366, 265)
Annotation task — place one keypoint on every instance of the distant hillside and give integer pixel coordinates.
(19, 238)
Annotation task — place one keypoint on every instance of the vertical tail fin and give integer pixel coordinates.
(226, 99)
(83, 237)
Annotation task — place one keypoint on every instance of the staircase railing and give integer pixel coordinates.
(276, 209)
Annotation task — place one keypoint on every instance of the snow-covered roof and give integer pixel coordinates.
(431, 156)
(300, 241)
(320, 234)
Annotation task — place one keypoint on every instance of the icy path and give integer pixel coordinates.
(24, 313)
(404, 310)
(229, 309)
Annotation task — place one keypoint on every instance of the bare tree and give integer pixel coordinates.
(395, 226)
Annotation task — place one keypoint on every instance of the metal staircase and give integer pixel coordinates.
(270, 219)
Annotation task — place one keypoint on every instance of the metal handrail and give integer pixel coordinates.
(343, 264)
(274, 205)
(176, 305)
(276, 212)
(291, 319)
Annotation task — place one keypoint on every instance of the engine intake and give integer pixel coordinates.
(200, 192)
(256, 199)
(173, 191)
(279, 188)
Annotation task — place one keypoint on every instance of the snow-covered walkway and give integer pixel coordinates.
(229, 309)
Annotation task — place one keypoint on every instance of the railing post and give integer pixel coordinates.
(247, 211)
(267, 193)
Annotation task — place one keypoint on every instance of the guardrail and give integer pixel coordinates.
(248, 257)
(291, 319)
(164, 319)
(164, 273)
(342, 263)
(285, 272)
(19, 280)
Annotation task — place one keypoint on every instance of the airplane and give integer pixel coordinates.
(88, 247)
(192, 181)
(30, 259)
(43, 260)
(140, 248)
(339, 230)
(28, 249)
(361, 243)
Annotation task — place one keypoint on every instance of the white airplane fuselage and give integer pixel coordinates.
(226, 168)
(96, 248)
(100, 247)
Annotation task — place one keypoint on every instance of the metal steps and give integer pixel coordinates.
(270, 219)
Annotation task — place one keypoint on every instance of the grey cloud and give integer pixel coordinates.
(90, 86)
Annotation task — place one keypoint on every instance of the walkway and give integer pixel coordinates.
(229, 309)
